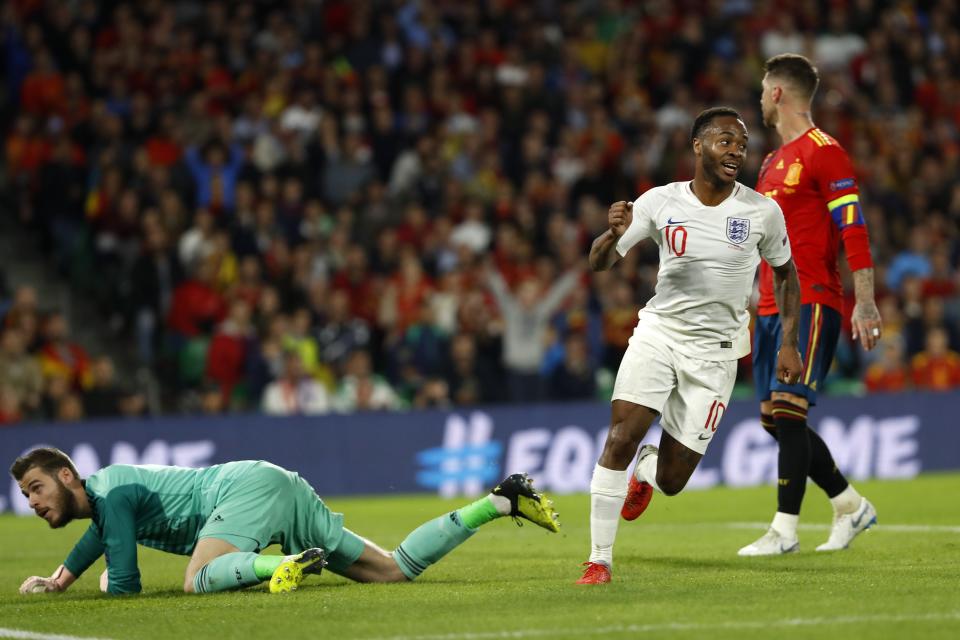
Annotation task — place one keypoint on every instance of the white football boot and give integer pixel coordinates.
(772, 543)
(849, 525)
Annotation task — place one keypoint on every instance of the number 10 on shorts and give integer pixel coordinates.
(717, 409)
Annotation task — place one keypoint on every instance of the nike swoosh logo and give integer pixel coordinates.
(700, 437)
(672, 221)
(856, 522)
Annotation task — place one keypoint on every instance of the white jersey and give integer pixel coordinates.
(708, 259)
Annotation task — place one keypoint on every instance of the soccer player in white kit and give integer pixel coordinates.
(681, 361)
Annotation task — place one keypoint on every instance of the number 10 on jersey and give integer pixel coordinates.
(676, 239)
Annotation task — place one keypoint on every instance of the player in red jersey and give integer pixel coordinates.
(812, 179)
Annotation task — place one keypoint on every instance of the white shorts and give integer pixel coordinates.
(690, 394)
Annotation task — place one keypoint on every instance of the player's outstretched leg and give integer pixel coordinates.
(639, 491)
(514, 497)
(293, 569)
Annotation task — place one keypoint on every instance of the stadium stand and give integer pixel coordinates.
(309, 207)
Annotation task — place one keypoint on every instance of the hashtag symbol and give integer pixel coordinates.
(461, 465)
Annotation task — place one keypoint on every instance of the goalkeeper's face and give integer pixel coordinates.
(49, 497)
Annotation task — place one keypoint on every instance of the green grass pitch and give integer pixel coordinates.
(676, 575)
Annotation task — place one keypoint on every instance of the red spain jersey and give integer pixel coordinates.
(812, 180)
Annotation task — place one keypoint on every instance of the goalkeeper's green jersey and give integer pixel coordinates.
(157, 506)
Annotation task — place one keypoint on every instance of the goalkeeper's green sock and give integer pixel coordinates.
(234, 571)
(435, 539)
(487, 508)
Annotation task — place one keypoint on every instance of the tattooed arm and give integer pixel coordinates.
(867, 326)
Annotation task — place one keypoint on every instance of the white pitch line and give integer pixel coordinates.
(685, 626)
(21, 634)
(895, 528)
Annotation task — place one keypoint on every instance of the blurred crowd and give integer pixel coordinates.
(305, 206)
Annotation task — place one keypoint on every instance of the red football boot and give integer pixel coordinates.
(595, 573)
(638, 497)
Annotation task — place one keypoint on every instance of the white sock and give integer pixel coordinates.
(786, 524)
(646, 470)
(847, 501)
(607, 492)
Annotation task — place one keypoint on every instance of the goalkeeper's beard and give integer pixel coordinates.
(66, 506)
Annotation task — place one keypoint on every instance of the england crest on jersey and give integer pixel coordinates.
(738, 230)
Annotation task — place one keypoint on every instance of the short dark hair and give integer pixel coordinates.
(707, 116)
(49, 459)
(795, 69)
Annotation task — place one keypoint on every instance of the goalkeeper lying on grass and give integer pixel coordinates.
(224, 515)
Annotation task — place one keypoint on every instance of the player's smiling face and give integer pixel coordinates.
(723, 148)
(48, 497)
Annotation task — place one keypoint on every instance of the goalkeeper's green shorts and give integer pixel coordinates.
(263, 504)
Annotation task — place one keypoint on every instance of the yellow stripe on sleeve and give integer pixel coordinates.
(851, 214)
(815, 139)
(850, 198)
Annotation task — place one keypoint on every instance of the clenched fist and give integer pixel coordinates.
(619, 217)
